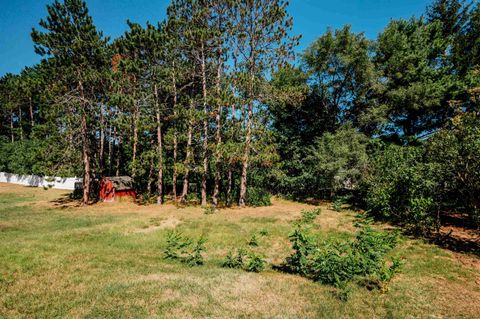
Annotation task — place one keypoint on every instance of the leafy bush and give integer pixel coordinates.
(255, 263)
(195, 258)
(235, 261)
(184, 249)
(338, 263)
(176, 245)
(250, 261)
(258, 197)
(403, 188)
(308, 216)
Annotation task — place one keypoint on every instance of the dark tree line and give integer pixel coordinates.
(211, 103)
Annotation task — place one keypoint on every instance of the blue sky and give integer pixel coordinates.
(311, 19)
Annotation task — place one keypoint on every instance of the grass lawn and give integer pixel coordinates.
(105, 260)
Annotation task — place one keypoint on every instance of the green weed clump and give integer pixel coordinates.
(338, 263)
(209, 210)
(253, 240)
(184, 249)
(308, 216)
(248, 261)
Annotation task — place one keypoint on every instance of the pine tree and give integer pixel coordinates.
(80, 54)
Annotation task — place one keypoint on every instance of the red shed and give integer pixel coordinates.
(116, 187)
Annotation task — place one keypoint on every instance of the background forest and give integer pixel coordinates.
(214, 106)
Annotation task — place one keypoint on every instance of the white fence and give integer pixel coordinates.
(39, 181)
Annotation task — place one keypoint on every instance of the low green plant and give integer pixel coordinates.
(176, 245)
(248, 261)
(337, 205)
(194, 257)
(263, 232)
(339, 262)
(235, 260)
(308, 216)
(253, 240)
(256, 263)
(209, 210)
(184, 249)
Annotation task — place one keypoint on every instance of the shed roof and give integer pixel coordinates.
(121, 182)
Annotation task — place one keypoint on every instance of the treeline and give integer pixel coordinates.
(211, 103)
(391, 125)
(174, 105)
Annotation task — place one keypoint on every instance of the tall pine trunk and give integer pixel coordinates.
(205, 129)
(12, 136)
(175, 140)
(30, 107)
(85, 151)
(102, 141)
(248, 138)
(159, 149)
(188, 155)
(218, 133)
(135, 141)
(20, 122)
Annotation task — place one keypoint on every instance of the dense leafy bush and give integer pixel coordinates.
(455, 151)
(402, 187)
(258, 197)
(337, 263)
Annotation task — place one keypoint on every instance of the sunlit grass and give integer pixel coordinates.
(106, 261)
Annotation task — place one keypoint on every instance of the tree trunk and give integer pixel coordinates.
(12, 136)
(150, 178)
(110, 150)
(229, 186)
(119, 155)
(102, 141)
(20, 122)
(205, 130)
(175, 143)
(32, 121)
(85, 153)
(187, 158)
(218, 133)
(248, 138)
(160, 149)
(135, 141)
(86, 160)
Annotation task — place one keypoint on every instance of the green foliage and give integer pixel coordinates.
(235, 261)
(258, 197)
(338, 263)
(251, 262)
(209, 210)
(256, 263)
(195, 258)
(176, 245)
(403, 188)
(308, 216)
(184, 249)
(253, 241)
(263, 232)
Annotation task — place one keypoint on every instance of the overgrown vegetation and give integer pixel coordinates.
(184, 249)
(339, 262)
